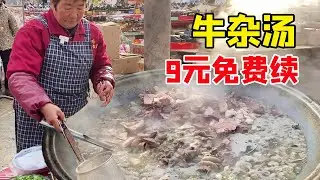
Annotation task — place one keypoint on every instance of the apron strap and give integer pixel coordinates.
(43, 21)
(86, 25)
(85, 22)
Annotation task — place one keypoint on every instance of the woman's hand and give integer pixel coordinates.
(105, 91)
(53, 115)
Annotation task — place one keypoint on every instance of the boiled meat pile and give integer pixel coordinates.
(188, 134)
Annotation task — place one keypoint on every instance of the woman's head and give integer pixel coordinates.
(68, 12)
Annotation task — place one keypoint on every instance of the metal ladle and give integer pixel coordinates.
(99, 167)
(84, 137)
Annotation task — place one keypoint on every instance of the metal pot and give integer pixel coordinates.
(62, 162)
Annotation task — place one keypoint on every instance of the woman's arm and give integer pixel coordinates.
(102, 67)
(24, 68)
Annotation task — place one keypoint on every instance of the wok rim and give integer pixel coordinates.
(62, 175)
(51, 162)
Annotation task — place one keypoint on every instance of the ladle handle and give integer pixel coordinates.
(46, 124)
(82, 137)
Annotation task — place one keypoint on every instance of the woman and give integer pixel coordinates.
(8, 29)
(52, 60)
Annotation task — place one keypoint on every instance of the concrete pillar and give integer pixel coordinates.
(157, 30)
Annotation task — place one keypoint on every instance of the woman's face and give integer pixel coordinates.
(69, 12)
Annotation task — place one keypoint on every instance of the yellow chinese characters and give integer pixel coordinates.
(274, 31)
(278, 31)
(243, 30)
(204, 27)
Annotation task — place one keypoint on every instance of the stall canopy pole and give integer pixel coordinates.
(157, 30)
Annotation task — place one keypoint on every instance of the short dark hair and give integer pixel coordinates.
(55, 2)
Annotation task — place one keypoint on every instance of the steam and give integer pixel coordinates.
(258, 7)
(91, 115)
(88, 118)
(305, 11)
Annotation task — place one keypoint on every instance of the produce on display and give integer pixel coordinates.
(30, 177)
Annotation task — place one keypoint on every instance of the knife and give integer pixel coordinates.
(67, 134)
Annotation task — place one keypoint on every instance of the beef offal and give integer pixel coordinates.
(176, 135)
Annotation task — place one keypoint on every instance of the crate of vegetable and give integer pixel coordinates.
(30, 177)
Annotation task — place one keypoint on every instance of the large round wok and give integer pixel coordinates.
(61, 160)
